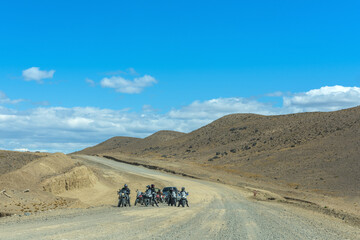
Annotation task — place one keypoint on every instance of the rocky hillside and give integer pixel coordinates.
(112, 144)
(128, 144)
(318, 151)
(11, 160)
(33, 187)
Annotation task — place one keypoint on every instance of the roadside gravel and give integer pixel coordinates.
(216, 212)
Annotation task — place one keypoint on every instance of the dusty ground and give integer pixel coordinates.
(216, 211)
(319, 201)
(57, 181)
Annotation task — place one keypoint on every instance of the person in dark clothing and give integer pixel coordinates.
(127, 191)
(153, 192)
(171, 197)
(183, 196)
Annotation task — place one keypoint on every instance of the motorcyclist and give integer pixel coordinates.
(126, 190)
(148, 191)
(153, 192)
(171, 197)
(149, 194)
(183, 195)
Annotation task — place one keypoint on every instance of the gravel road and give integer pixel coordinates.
(216, 212)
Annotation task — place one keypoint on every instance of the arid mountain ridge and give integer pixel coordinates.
(317, 151)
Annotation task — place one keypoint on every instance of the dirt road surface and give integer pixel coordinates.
(216, 212)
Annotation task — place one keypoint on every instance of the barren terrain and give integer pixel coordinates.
(249, 176)
(308, 156)
(216, 211)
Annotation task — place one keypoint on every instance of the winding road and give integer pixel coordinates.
(216, 212)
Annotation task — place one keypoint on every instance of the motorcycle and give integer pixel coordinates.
(148, 199)
(160, 198)
(183, 199)
(139, 198)
(123, 199)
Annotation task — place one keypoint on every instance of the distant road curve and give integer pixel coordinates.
(216, 212)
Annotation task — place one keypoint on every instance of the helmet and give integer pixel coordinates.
(182, 189)
(152, 185)
(125, 185)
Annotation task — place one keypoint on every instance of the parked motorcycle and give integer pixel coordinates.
(148, 198)
(123, 199)
(183, 198)
(139, 198)
(160, 198)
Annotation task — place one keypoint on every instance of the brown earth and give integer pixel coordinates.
(217, 211)
(310, 156)
(11, 160)
(131, 144)
(56, 181)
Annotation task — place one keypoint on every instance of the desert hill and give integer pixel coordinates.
(115, 143)
(12, 160)
(39, 180)
(316, 152)
(153, 141)
(128, 144)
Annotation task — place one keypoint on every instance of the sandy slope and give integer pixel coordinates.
(11, 160)
(310, 156)
(216, 212)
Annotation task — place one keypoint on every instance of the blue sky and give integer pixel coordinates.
(74, 73)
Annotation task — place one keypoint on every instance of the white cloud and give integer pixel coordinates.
(123, 85)
(215, 108)
(34, 73)
(5, 100)
(28, 150)
(21, 149)
(70, 129)
(328, 98)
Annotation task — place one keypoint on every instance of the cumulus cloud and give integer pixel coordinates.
(35, 74)
(21, 149)
(123, 85)
(328, 98)
(215, 108)
(70, 129)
